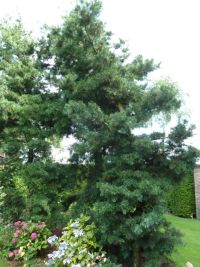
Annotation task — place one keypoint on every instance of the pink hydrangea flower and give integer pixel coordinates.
(18, 223)
(11, 254)
(14, 241)
(33, 236)
(24, 226)
(41, 225)
(17, 233)
(15, 251)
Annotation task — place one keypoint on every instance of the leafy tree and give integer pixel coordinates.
(29, 117)
(105, 97)
(25, 126)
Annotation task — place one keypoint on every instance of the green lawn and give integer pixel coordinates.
(190, 228)
(3, 263)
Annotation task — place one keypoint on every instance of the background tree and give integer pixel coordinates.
(105, 98)
(25, 126)
(36, 187)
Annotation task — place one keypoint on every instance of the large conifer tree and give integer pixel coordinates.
(105, 98)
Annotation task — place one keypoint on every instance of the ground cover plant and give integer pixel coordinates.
(23, 241)
(74, 81)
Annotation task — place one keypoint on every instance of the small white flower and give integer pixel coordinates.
(91, 255)
(55, 254)
(49, 256)
(78, 233)
(49, 262)
(67, 261)
(52, 239)
(75, 225)
(63, 246)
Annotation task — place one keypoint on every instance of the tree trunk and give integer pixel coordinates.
(138, 258)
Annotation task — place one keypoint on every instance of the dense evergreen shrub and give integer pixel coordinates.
(33, 199)
(181, 198)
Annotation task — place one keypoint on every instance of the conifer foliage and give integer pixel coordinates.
(101, 98)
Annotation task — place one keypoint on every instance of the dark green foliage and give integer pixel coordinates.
(23, 133)
(181, 198)
(105, 98)
(44, 192)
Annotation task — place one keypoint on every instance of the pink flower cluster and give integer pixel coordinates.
(33, 236)
(13, 253)
(24, 234)
(41, 225)
(21, 231)
(18, 223)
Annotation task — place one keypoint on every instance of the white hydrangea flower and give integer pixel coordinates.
(67, 261)
(78, 233)
(49, 262)
(55, 254)
(52, 239)
(75, 224)
(63, 246)
(91, 255)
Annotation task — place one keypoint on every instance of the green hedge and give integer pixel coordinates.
(181, 198)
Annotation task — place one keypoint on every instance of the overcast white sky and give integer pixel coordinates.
(166, 30)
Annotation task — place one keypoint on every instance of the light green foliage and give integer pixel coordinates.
(2, 196)
(77, 246)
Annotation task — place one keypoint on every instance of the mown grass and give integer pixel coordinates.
(190, 251)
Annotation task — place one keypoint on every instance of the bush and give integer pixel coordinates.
(27, 196)
(77, 246)
(23, 240)
(181, 198)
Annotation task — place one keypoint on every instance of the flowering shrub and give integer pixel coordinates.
(26, 241)
(77, 247)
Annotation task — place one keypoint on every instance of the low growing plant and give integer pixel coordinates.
(77, 247)
(25, 240)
